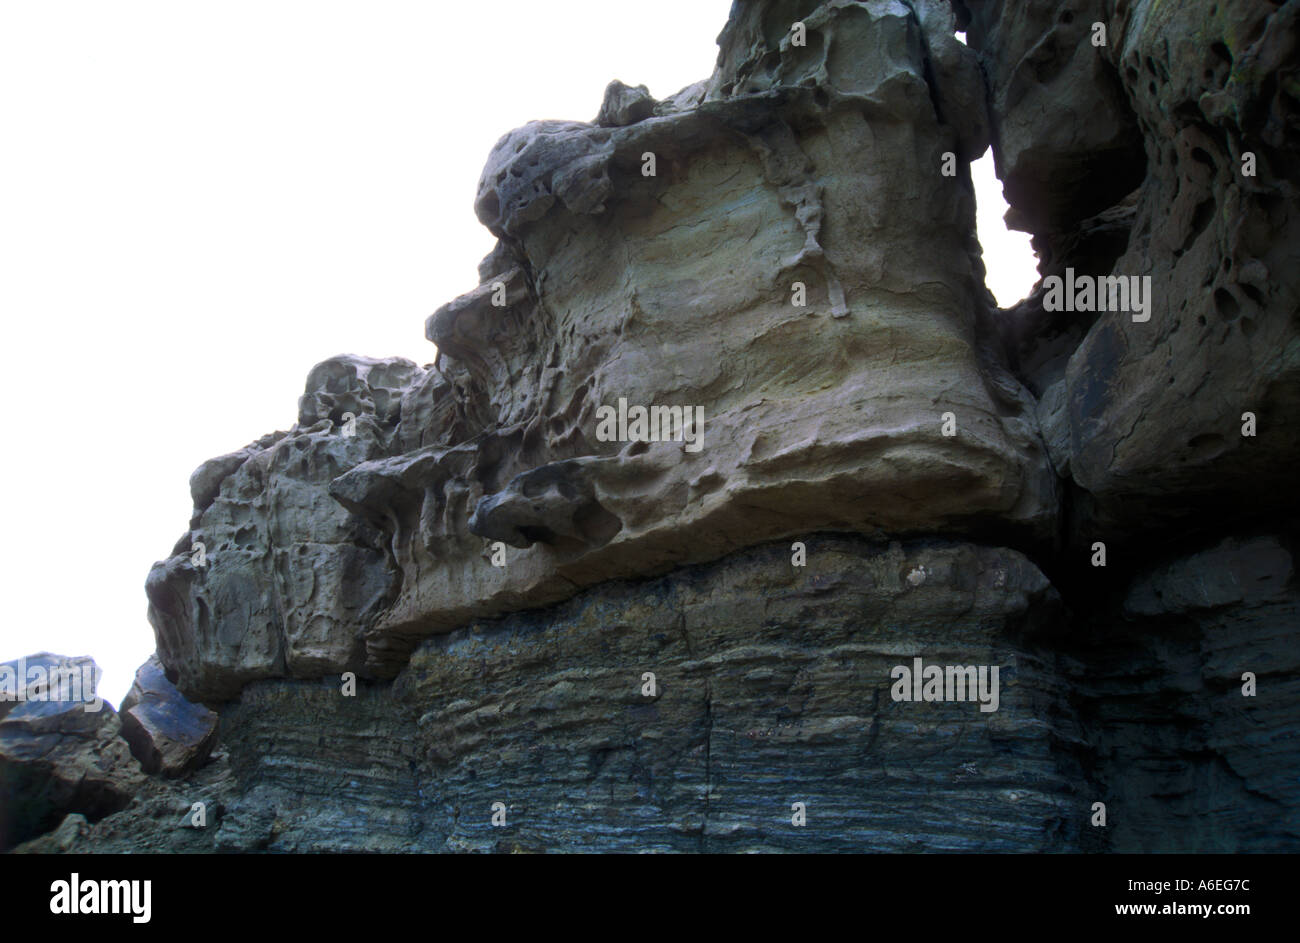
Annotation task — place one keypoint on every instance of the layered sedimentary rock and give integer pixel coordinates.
(771, 686)
(811, 169)
(446, 611)
(1186, 761)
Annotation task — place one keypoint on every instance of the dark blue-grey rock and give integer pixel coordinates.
(167, 733)
(1166, 153)
(1189, 700)
(61, 749)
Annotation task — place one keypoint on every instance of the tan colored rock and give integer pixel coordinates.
(1156, 409)
(675, 287)
(286, 577)
(649, 258)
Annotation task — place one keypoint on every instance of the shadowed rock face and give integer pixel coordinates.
(1192, 764)
(61, 749)
(1198, 103)
(682, 643)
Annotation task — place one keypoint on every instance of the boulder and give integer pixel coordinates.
(167, 733)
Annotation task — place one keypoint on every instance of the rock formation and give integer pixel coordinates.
(61, 747)
(478, 605)
(167, 733)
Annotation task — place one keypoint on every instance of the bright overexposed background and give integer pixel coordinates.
(201, 200)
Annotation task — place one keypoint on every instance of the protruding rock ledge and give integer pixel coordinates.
(660, 256)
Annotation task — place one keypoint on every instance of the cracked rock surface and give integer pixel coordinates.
(816, 165)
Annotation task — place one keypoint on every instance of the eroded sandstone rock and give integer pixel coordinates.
(673, 286)
(1196, 103)
(489, 565)
(285, 577)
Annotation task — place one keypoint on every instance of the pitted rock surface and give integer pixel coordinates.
(445, 587)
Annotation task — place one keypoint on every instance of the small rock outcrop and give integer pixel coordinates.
(673, 257)
(61, 749)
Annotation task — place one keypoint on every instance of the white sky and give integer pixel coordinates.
(199, 201)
